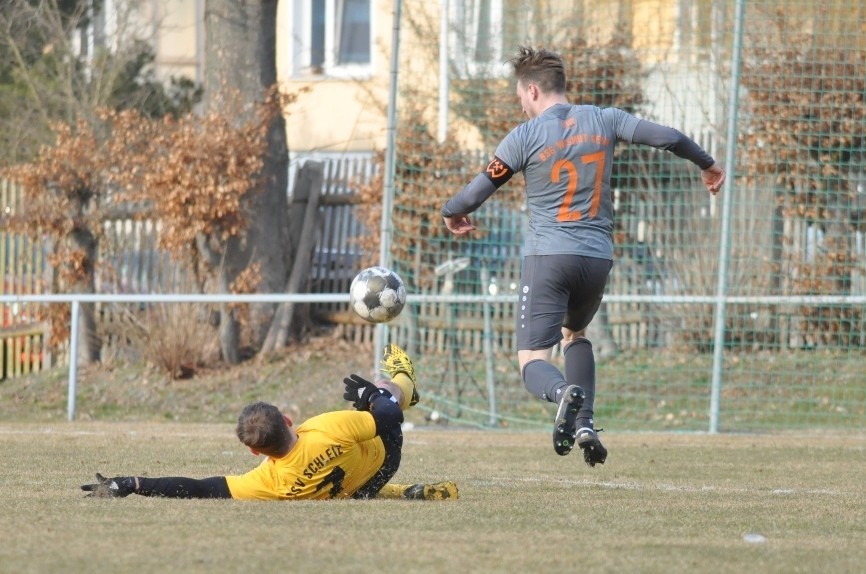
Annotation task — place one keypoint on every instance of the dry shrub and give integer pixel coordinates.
(178, 338)
(192, 174)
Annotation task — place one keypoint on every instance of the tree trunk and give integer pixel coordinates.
(90, 344)
(240, 54)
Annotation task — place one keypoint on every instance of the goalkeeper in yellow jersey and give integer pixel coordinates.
(340, 454)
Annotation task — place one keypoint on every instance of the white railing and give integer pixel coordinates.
(76, 299)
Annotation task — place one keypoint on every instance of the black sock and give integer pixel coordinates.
(543, 380)
(580, 371)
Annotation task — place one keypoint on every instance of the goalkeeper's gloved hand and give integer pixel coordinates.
(361, 392)
(119, 486)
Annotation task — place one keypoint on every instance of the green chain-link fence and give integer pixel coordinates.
(789, 247)
(794, 253)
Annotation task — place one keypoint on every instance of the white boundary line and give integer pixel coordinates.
(664, 487)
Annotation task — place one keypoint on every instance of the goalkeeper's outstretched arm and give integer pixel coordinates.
(167, 487)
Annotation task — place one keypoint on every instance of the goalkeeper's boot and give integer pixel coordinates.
(565, 425)
(394, 362)
(593, 451)
(439, 491)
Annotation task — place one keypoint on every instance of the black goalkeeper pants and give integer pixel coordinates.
(392, 438)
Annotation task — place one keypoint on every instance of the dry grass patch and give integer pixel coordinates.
(663, 503)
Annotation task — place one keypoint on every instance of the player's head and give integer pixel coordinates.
(542, 68)
(263, 428)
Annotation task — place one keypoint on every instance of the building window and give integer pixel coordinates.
(335, 38)
(481, 38)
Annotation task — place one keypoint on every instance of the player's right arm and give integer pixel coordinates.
(676, 142)
(366, 396)
(386, 412)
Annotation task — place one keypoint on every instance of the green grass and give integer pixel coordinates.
(667, 390)
(304, 381)
(663, 503)
(637, 391)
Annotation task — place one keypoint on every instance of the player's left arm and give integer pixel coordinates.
(676, 142)
(474, 194)
(166, 487)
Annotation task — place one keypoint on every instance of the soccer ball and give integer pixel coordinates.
(377, 294)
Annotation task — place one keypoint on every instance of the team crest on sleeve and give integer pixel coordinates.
(498, 172)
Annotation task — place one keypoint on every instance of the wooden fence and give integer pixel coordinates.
(656, 242)
(21, 267)
(436, 326)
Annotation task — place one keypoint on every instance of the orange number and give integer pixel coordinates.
(565, 212)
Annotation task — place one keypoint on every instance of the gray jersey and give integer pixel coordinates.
(566, 155)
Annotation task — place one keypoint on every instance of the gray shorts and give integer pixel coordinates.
(557, 291)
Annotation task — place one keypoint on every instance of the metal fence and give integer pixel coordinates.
(745, 315)
(739, 313)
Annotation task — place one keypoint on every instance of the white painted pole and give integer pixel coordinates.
(489, 368)
(388, 187)
(443, 72)
(725, 238)
(73, 361)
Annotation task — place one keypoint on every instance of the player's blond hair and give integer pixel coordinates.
(262, 427)
(540, 67)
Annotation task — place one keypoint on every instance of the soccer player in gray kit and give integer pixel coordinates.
(565, 152)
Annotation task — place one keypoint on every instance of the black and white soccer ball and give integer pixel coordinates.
(377, 294)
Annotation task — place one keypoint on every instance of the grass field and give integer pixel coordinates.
(663, 503)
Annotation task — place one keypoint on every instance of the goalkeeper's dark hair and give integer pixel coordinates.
(263, 428)
(540, 67)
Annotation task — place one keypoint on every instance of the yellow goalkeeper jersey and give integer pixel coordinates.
(336, 454)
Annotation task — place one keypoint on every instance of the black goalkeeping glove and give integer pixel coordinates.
(117, 487)
(361, 391)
